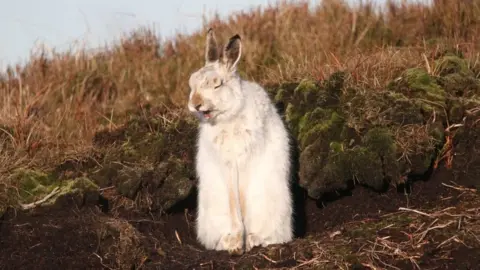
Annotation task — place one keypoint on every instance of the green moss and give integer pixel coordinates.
(81, 183)
(310, 119)
(460, 84)
(35, 185)
(367, 167)
(366, 163)
(310, 105)
(320, 169)
(451, 63)
(418, 77)
(335, 83)
(324, 170)
(32, 184)
(281, 95)
(336, 147)
(292, 117)
(431, 145)
(320, 121)
(396, 108)
(79, 186)
(306, 89)
(372, 136)
(380, 140)
(336, 171)
(456, 111)
(422, 89)
(397, 97)
(424, 85)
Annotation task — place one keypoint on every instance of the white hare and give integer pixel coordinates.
(242, 160)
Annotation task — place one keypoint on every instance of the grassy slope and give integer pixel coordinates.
(54, 107)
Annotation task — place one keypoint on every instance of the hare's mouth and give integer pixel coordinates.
(206, 114)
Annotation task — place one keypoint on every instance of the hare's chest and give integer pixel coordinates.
(236, 143)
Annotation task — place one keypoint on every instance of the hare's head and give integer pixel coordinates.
(215, 92)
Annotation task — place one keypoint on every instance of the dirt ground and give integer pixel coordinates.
(357, 228)
(68, 236)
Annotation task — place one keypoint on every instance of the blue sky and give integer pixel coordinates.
(59, 23)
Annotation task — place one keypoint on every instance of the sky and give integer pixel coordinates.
(58, 24)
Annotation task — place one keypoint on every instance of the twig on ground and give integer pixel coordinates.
(474, 235)
(34, 246)
(453, 126)
(473, 111)
(335, 233)
(178, 237)
(369, 265)
(461, 242)
(423, 234)
(210, 263)
(186, 217)
(106, 188)
(460, 188)
(415, 211)
(391, 249)
(268, 259)
(46, 198)
(447, 241)
(101, 261)
(311, 261)
(144, 259)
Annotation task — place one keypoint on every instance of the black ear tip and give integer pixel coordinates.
(237, 36)
(210, 32)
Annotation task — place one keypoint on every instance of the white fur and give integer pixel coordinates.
(243, 146)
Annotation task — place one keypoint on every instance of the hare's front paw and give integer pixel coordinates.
(233, 243)
(252, 241)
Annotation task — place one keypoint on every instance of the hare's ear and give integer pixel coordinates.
(211, 50)
(232, 53)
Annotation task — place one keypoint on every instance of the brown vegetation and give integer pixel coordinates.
(55, 104)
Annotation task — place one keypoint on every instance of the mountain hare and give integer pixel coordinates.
(242, 158)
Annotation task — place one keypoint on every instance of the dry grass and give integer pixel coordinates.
(52, 106)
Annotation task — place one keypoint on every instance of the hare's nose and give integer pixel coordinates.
(197, 107)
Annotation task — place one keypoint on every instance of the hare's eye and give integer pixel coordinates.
(221, 83)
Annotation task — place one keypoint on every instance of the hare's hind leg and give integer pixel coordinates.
(268, 215)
